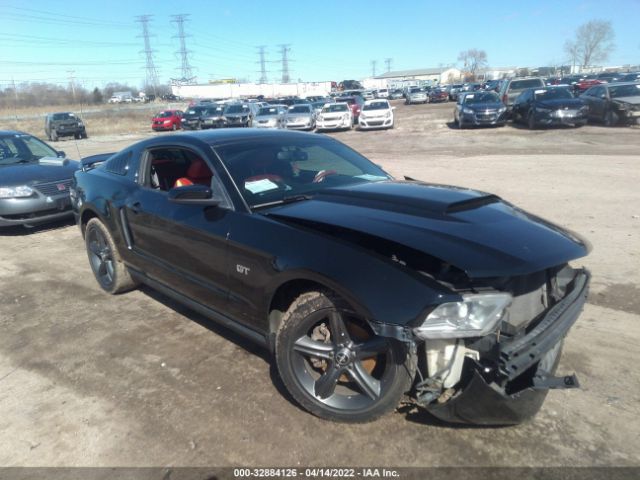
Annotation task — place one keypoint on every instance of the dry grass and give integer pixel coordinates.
(99, 119)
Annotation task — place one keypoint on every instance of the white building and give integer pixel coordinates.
(399, 78)
(237, 90)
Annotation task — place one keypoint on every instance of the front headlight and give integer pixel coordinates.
(502, 109)
(80, 124)
(345, 116)
(388, 115)
(16, 192)
(320, 117)
(467, 110)
(475, 316)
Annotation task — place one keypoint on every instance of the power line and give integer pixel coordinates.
(284, 51)
(185, 69)
(262, 62)
(152, 73)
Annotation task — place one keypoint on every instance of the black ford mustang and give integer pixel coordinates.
(363, 287)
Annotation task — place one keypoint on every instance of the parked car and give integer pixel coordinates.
(609, 77)
(64, 124)
(335, 116)
(213, 117)
(238, 115)
(382, 93)
(396, 94)
(363, 287)
(271, 117)
(453, 91)
(416, 95)
(630, 77)
(479, 108)
(512, 87)
(549, 106)
(492, 85)
(355, 103)
(368, 94)
(585, 83)
(376, 114)
(437, 95)
(300, 117)
(34, 181)
(167, 120)
(614, 103)
(192, 118)
(317, 106)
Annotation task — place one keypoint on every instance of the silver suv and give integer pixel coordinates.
(513, 87)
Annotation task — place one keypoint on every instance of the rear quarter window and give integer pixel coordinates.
(119, 163)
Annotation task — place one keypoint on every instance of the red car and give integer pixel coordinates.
(586, 83)
(355, 104)
(167, 120)
(438, 95)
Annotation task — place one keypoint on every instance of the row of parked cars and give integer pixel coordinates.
(314, 113)
(532, 102)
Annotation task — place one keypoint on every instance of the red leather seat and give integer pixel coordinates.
(197, 173)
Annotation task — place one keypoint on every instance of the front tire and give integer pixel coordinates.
(611, 118)
(334, 365)
(531, 121)
(110, 272)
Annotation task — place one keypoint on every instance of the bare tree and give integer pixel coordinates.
(473, 60)
(592, 44)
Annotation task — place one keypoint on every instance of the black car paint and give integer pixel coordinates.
(601, 104)
(232, 263)
(527, 104)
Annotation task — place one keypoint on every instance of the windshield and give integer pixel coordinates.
(481, 97)
(165, 115)
(267, 111)
(274, 170)
(335, 107)
(196, 110)
(237, 109)
(523, 84)
(553, 94)
(64, 116)
(217, 110)
(624, 91)
(23, 148)
(300, 109)
(376, 106)
(348, 100)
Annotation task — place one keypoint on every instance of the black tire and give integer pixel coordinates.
(110, 272)
(611, 118)
(54, 136)
(355, 379)
(84, 135)
(455, 122)
(531, 121)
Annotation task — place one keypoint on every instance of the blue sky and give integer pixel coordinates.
(330, 40)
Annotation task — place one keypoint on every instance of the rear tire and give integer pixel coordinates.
(531, 121)
(320, 356)
(111, 273)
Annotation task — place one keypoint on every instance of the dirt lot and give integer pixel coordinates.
(136, 380)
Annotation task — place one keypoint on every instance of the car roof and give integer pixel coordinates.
(224, 136)
(376, 100)
(5, 133)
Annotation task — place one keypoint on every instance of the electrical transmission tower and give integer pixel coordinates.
(284, 51)
(373, 67)
(387, 62)
(152, 73)
(262, 62)
(185, 68)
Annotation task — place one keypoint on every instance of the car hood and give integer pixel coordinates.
(635, 100)
(561, 103)
(477, 232)
(267, 117)
(32, 173)
(299, 115)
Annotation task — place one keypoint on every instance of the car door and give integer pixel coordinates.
(598, 102)
(182, 246)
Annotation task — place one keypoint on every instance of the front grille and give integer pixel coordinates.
(53, 188)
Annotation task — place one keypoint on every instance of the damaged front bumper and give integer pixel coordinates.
(511, 387)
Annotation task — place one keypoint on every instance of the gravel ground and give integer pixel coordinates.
(136, 380)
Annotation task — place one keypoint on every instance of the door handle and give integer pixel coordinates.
(136, 207)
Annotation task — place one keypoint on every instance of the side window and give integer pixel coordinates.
(173, 167)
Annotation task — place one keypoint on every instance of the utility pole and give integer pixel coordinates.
(15, 96)
(72, 84)
(152, 73)
(185, 68)
(387, 62)
(284, 51)
(373, 67)
(262, 62)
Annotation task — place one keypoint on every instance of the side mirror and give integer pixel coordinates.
(393, 108)
(61, 154)
(194, 195)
